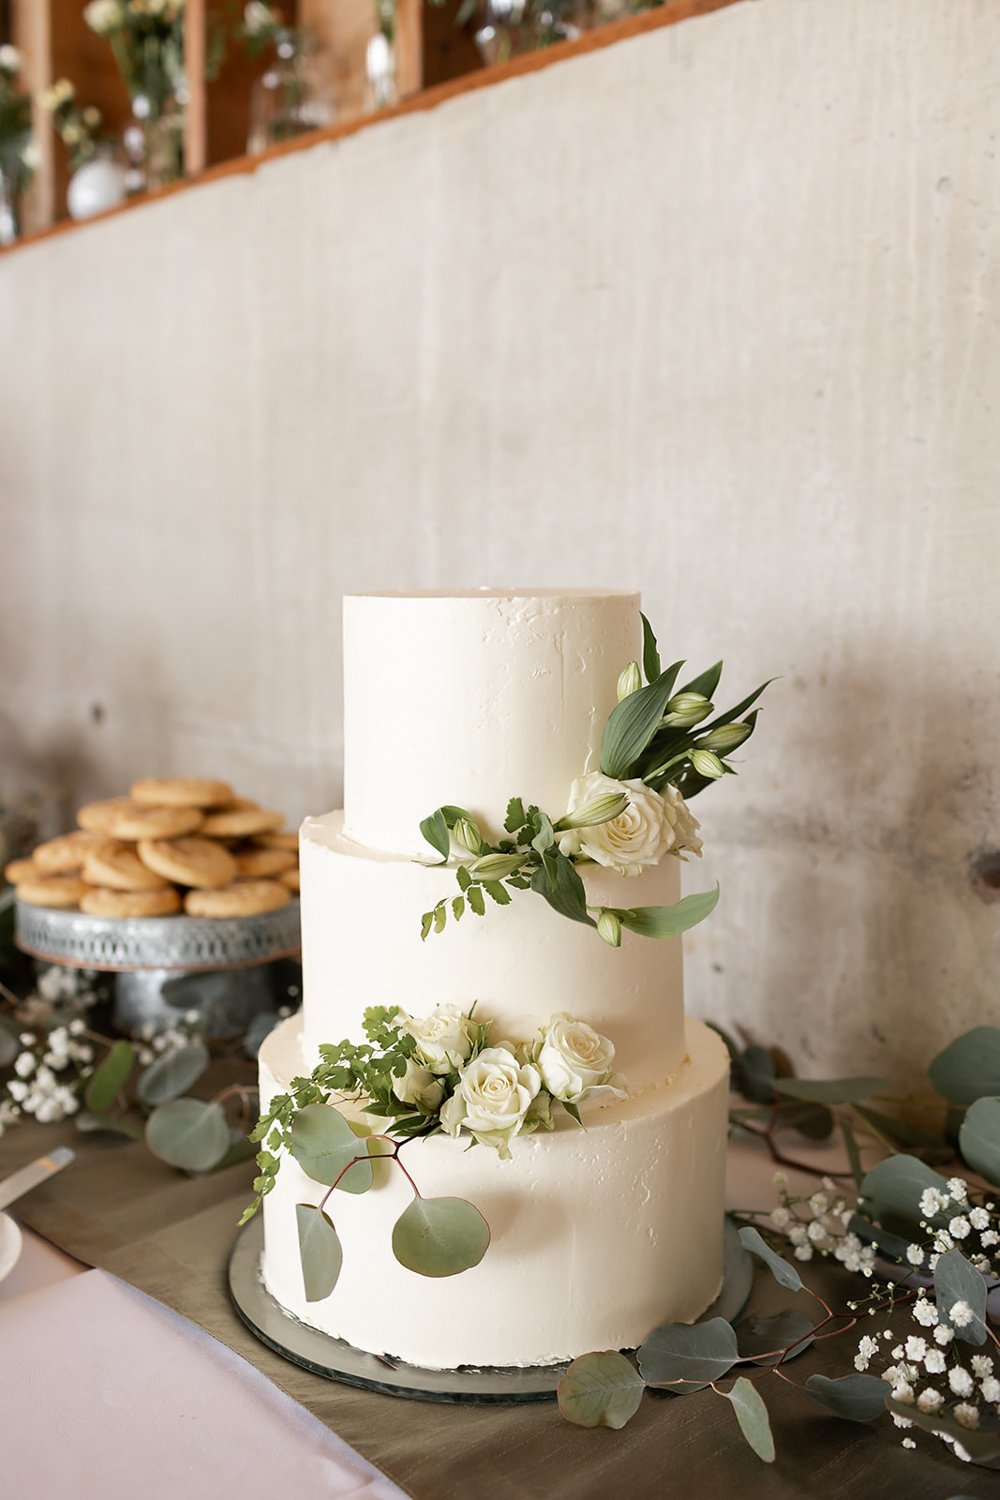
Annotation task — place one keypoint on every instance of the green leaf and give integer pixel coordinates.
(476, 899)
(705, 683)
(782, 1270)
(132, 1127)
(440, 1236)
(761, 1340)
(426, 923)
(853, 1154)
(669, 921)
(172, 1074)
(751, 1413)
(514, 821)
(458, 907)
(319, 1251)
(633, 723)
(955, 1280)
(981, 1445)
(559, 882)
(969, 1067)
(979, 1138)
(600, 1390)
(814, 1121)
(323, 1142)
(829, 1091)
(756, 1074)
(110, 1077)
(650, 653)
(497, 892)
(241, 1149)
(435, 831)
(891, 1192)
(545, 837)
(188, 1133)
(857, 1398)
(903, 1132)
(732, 714)
(440, 917)
(688, 1356)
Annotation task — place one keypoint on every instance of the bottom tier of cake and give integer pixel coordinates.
(598, 1235)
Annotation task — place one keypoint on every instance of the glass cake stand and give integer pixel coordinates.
(336, 1360)
(145, 951)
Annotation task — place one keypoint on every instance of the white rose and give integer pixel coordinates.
(418, 1086)
(492, 1100)
(444, 1038)
(575, 1060)
(683, 822)
(636, 838)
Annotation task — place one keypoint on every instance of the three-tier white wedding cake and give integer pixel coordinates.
(599, 1232)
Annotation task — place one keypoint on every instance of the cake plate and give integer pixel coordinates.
(336, 1360)
(143, 952)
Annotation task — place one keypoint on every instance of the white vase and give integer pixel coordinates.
(95, 187)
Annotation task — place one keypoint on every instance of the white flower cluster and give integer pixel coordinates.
(10, 61)
(40, 1086)
(503, 1090)
(818, 1226)
(105, 16)
(154, 1044)
(260, 19)
(969, 1227)
(62, 92)
(651, 825)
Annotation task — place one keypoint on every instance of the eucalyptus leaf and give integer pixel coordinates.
(669, 921)
(132, 1127)
(782, 1270)
(10, 1044)
(173, 1073)
(904, 1132)
(814, 1121)
(761, 1340)
(969, 1067)
(110, 1077)
(979, 1138)
(751, 1413)
(188, 1133)
(440, 1236)
(756, 1074)
(632, 725)
(241, 1148)
(853, 1154)
(857, 1398)
(558, 881)
(650, 652)
(891, 1192)
(955, 1280)
(435, 831)
(829, 1091)
(319, 1251)
(981, 1445)
(685, 1357)
(600, 1390)
(323, 1143)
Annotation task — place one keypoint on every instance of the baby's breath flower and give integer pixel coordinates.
(979, 1218)
(981, 1365)
(958, 1189)
(907, 1443)
(931, 1202)
(781, 1217)
(925, 1312)
(915, 1254)
(916, 1347)
(943, 1334)
(960, 1380)
(961, 1314)
(990, 1389)
(966, 1415)
(930, 1400)
(959, 1227)
(866, 1348)
(935, 1362)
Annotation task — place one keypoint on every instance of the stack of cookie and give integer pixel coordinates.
(174, 843)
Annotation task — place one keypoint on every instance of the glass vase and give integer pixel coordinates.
(292, 97)
(153, 142)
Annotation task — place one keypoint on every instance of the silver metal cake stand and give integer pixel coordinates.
(336, 1360)
(145, 951)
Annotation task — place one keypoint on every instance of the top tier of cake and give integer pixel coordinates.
(472, 699)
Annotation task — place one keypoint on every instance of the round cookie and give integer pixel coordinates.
(98, 902)
(96, 817)
(181, 791)
(240, 822)
(63, 855)
(254, 863)
(53, 890)
(247, 898)
(204, 863)
(290, 878)
(119, 867)
(21, 869)
(284, 839)
(139, 822)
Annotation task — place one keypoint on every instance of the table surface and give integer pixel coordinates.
(99, 1380)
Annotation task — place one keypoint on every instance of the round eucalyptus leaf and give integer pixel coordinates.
(130, 1126)
(600, 1390)
(979, 1138)
(110, 1077)
(761, 1340)
(241, 1148)
(172, 1074)
(751, 1413)
(782, 1270)
(755, 1074)
(323, 1143)
(814, 1121)
(891, 1193)
(440, 1236)
(685, 1357)
(858, 1398)
(955, 1280)
(829, 1091)
(319, 1251)
(188, 1133)
(969, 1067)
(981, 1446)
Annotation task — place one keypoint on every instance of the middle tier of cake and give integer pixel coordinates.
(520, 964)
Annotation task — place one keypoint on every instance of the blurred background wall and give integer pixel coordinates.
(713, 313)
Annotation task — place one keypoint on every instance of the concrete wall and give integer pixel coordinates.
(714, 313)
